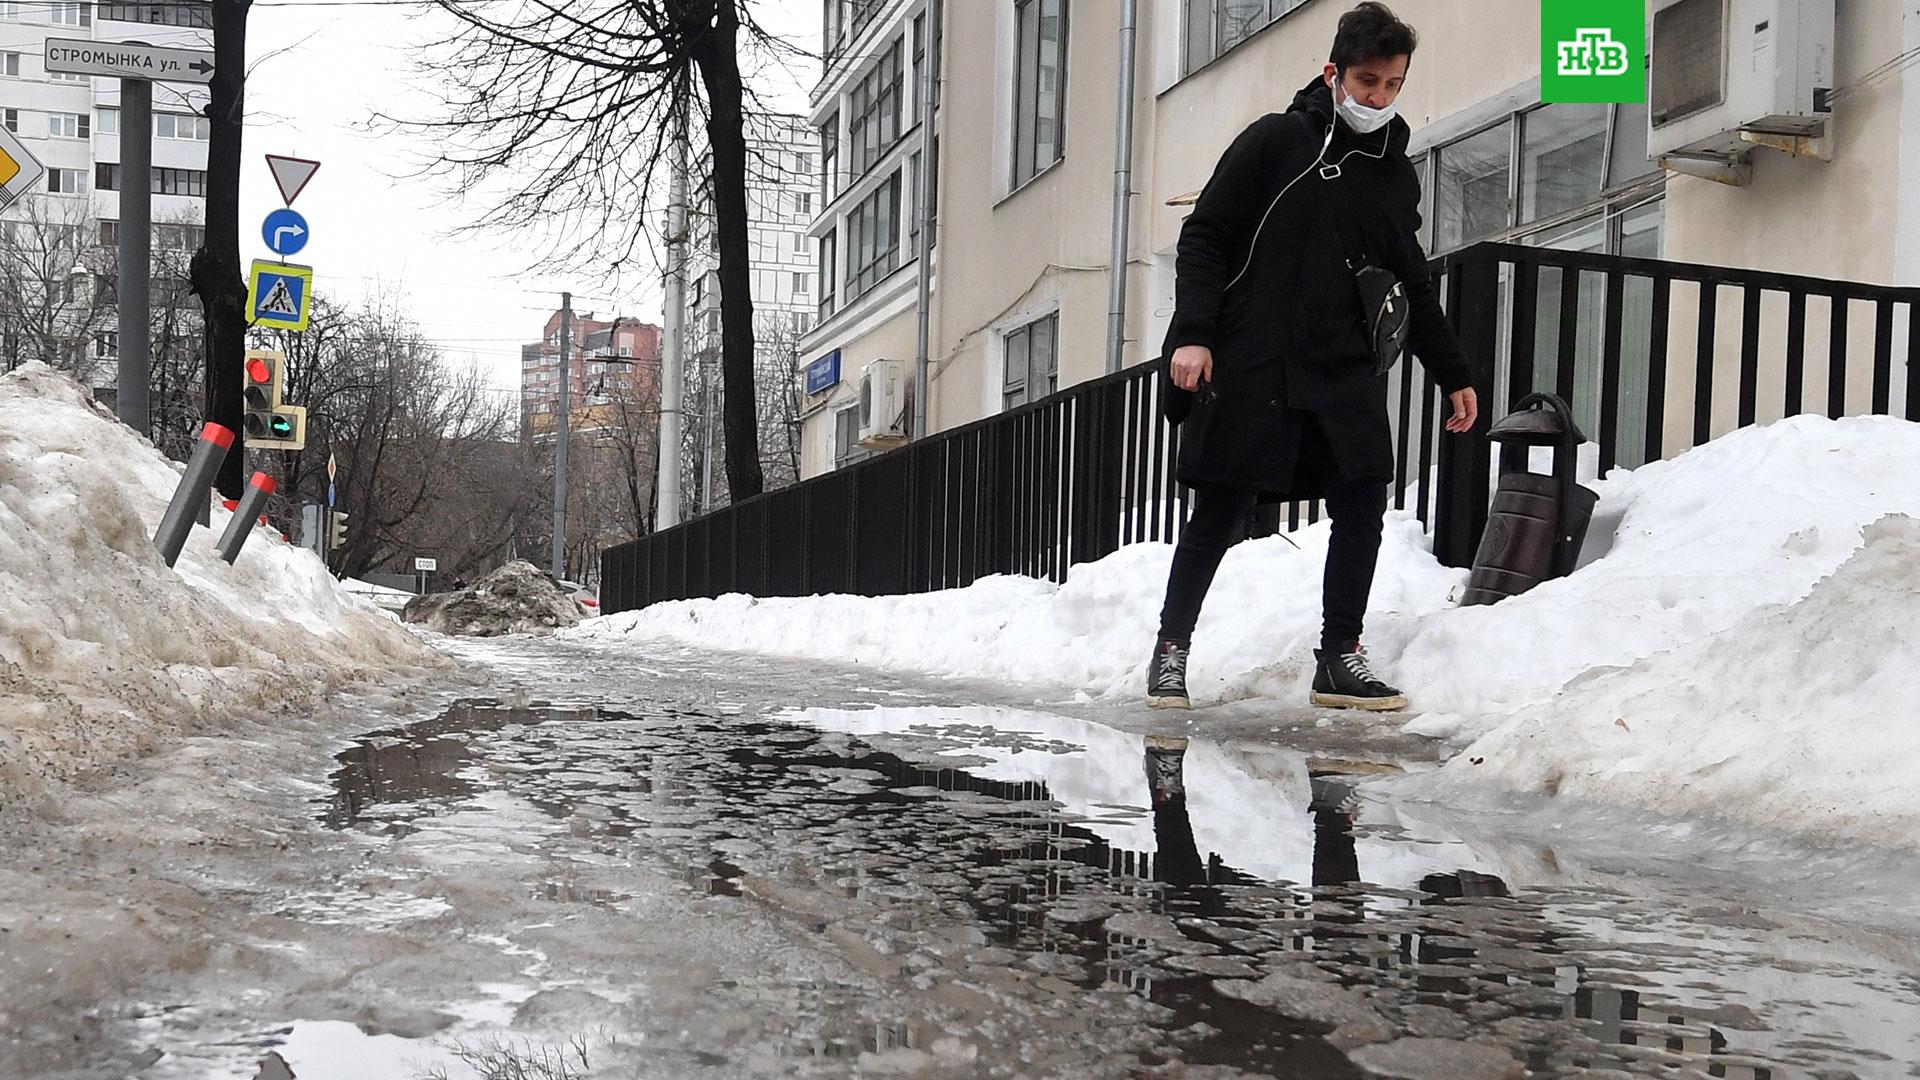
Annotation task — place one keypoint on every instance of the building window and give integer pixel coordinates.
(829, 275)
(65, 181)
(1211, 27)
(170, 13)
(933, 201)
(70, 13)
(800, 244)
(61, 76)
(10, 119)
(9, 9)
(803, 164)
(109, 233)
(62, 125)
(1040, 83)
(1472, 187)
(106, 345)
(800, 283)
(830, 158)
(182, 126)
(803, 202)
(874, 125)
(1563, 155)
(1032, 361)
(846, 438)
(10, 64)
(109, 122)
(873, 237)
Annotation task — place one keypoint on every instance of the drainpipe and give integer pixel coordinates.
(923, 205)
(1122, 192)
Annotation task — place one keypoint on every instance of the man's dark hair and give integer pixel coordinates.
(1371, 32)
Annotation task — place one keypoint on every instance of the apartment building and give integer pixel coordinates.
(1029, 114)
(71, 123)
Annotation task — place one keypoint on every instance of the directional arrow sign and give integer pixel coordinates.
(19, 170)
(292, 174)
(285, 232)
(129, 61)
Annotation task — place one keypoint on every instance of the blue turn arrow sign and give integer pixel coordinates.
(285, 232)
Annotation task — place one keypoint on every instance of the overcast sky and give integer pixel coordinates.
(319, 73)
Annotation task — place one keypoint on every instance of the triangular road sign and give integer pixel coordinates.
(291, 174)
(279, 300)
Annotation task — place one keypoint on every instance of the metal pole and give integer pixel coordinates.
(924, 188)
(134, 380)
(560, 439)
(673, 349)
(1122, 193)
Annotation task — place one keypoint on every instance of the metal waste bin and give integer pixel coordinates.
(1537, 522)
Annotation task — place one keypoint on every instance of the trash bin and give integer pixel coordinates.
(1537, 522)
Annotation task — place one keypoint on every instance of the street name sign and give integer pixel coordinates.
(129, 61)
(19, 170)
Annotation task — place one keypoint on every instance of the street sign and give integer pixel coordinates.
(291, 174)
(426, 566)
(824, 374)
(279, 297)
(20, 171)
(128, 61)
(285, 232)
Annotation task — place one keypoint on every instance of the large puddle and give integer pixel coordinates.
(1255, 912)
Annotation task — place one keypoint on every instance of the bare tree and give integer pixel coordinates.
(55, 289)
(565, 112)
(216, 266)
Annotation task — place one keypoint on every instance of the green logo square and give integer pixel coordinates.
(1593, 50)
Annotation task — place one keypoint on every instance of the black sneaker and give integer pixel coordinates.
(1342, 680)
(1167, 677)
(1166, 756)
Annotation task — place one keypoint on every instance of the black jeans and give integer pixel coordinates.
(1220, 520)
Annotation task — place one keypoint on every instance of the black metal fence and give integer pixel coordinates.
(1654, 356)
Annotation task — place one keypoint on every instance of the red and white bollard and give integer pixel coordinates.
(177, 522)
(244, 516)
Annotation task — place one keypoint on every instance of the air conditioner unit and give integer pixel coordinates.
(1726, 75)
(883, 404)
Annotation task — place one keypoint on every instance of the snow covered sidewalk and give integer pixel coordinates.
(1742, 622)
(104, 651)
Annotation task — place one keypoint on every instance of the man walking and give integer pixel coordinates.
(1278, 362)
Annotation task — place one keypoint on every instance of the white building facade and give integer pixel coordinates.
(71, 123)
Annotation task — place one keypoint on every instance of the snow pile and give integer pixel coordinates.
(515, 599)
(1799, 715)
(104, 651)
(1680, 550)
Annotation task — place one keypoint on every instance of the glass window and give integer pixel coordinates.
(1234, 20)
(800, 283)
(873, 230)
(109, 122)
(10, 119)
(1472, 189)
(1032, 361)
(1631, 160)
(830, 158)
(1562, 159)
(10, 64)
(1423, 172)
(800, 243)
(70, 13)
(9, 9)
(829, 275)
(1040, 86)
(875, 104)
(64, 181)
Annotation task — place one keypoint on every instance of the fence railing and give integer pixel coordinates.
(1655, 357)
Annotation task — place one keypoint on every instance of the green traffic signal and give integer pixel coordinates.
(280, 426)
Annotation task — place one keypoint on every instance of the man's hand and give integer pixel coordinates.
(1466, 411)
(1192, 365)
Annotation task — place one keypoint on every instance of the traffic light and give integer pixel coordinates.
(269, 424)
(337, 530)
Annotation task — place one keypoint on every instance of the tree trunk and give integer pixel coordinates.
(215, 271)
(714, 52)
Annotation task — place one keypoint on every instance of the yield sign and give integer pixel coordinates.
(292, 174)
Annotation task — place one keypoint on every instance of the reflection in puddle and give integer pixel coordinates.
(1263, 917)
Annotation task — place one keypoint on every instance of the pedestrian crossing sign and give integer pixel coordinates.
(279, 296)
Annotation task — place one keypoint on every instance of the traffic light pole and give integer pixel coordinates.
(136, 250)
(561, 436)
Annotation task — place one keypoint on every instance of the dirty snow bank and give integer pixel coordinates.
(107, 653)
(1800, 715)
(1686, 549)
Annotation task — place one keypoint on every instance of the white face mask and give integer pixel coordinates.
(1362, 119)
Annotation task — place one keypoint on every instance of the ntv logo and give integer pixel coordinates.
(1594, 52)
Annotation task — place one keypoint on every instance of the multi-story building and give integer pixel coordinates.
(613, 364)
(1028, 118)
(866, 112)
(782, 197)
(71, 123)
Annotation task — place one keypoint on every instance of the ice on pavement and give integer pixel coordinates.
(1697, 553)
(104, 651)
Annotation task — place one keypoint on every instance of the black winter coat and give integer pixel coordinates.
(1263, 281)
